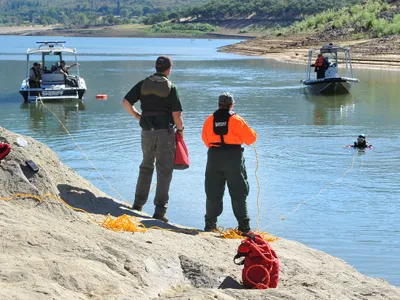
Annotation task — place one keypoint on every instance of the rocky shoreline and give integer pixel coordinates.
(377, 53)
(50, 251)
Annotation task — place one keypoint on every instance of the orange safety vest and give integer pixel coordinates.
(319, 62)
(238, 132)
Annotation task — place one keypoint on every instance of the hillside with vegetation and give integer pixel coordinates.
(264, 9)
(341, 19)
(89, 12)
(371, 29)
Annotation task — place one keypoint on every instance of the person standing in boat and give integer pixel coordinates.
(35, 76)
(319, 66)
(161, 110)
(224, 133)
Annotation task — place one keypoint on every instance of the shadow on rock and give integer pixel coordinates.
(153, 223)
(84, 199)
(230, 283)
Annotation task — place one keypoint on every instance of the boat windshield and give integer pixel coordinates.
(51, 61)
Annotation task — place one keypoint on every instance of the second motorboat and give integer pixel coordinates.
(328, 79)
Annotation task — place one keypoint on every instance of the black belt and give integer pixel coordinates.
(226, 146)
(152, 129)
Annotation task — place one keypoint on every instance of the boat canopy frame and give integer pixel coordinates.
(51, 47)
(333, 50)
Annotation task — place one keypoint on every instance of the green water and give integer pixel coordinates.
(300, 150)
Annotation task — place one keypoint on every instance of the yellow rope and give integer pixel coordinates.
(323, 189)
(121, 223)
(282, 218)
(258, 189)
(235, 233)
(22, 196)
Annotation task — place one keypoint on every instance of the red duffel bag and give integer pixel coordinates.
(4, 150)
(261, 264)
(181, 153)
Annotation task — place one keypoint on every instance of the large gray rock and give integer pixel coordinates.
(50, 251)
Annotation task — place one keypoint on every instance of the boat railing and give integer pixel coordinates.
(51, 44)
(310, 54)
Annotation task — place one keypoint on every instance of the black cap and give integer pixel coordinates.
(226, 99)
(36, 64)
(163, 63)
(362, 136)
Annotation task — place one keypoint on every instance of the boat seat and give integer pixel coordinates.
(53, 79)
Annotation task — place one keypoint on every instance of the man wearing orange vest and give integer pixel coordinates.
(319, 66)
(223, 133)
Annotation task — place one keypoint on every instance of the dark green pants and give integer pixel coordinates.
(226, 165)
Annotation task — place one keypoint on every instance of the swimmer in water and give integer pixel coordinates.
(361, 143)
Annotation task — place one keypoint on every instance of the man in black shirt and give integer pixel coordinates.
(161, 110)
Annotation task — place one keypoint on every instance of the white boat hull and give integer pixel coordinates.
(330, 86)
(52, 92)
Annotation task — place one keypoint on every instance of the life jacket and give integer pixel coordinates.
(220, 124)
(261, 264)
(154, 102)
(153, 95)
(319, 62)
(37, 75)
(4, 150)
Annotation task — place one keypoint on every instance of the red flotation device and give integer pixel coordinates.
(261, 264)
(101, 97)
(4, 150)
(181, 154)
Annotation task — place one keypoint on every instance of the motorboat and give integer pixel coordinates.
(330, 81)
(53, 85)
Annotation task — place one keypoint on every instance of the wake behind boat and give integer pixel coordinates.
(47, 76)
(327, 80)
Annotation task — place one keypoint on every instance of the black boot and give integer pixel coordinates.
(244, 225)
(160, 214)
(210, 227)
(137, 207)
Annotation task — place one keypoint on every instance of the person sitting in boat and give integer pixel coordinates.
(63, 69)
(319, 66)
(361, 143)
(35, 76)
(55, 67)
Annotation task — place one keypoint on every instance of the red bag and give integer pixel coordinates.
(261, 264)
(4, 150)
(181, 153)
